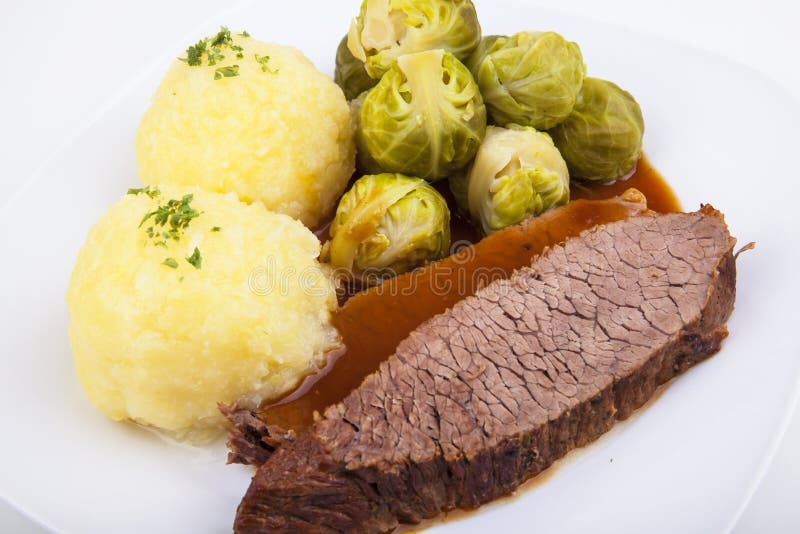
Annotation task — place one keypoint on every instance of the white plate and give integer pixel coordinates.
(720, 133)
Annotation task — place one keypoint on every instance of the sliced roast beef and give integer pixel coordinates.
(404, 304)
(252, 441)
(490, 393)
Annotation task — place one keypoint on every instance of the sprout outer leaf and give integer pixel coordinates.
(350, 73)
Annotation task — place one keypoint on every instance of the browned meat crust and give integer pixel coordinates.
(487, 395)
(251, 441)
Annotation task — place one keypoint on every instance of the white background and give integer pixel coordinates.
(63, 62)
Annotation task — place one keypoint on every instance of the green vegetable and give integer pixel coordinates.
(179, 213)
(194, 54)
(518, 172)
(214, 55)
(170, 220)
(350, 73)
(425, 117)
(223, 37)
(212, 48)
(150, 191)
(531, 78)
(216, 229)
(388, 224)
(264, 62)
(602, 139)
(364, 162)
(195, 260)
(488, 44)
(173, 217)
(226, 72)
(387, 29)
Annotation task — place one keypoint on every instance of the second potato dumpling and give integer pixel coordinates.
(239, 115)
(181, 299)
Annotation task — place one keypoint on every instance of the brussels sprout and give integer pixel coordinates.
(387, 29)
(488, 44)
(387, 224)
(425, 117)
(518, 172)
(364, 162)
(350, 73)
(531, 78)
(602, 139)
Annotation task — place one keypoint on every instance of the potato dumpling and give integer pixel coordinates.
(223, 302)
(240, 115)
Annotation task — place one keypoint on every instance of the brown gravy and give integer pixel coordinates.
(645, 178)
(372, 323)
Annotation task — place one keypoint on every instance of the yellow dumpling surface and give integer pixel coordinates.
(160, 338)
(262, 122)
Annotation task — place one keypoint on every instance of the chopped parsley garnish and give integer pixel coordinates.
(264, 62)
(214, 55)
(196, 260)
(223, 37)
(174, 217)
(226, 72)
(170, 220)
(150, 191)
(212, 50)
(194, 54)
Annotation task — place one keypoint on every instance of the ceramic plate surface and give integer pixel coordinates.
(719, 132)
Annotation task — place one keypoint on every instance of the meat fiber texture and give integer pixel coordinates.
(482, 397)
